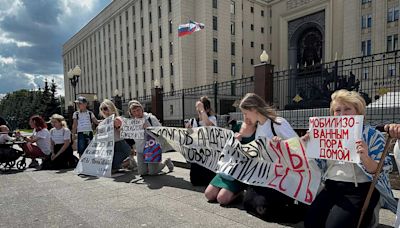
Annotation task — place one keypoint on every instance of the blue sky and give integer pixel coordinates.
(32, 33)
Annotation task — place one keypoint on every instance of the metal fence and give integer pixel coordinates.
(306, 90)
(299, 92)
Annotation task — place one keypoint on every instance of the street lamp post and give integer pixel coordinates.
(118, 99)
(73, 75)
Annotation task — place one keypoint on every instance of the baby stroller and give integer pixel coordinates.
(9, 156)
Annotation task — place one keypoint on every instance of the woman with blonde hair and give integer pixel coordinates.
(265, 202)
(61, 146)
(121, 148)
(346, 184)
(136, 111)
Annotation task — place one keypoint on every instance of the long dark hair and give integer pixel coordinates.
(39, 122)
(207, 105)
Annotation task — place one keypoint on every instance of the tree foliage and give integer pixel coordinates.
(17, 107)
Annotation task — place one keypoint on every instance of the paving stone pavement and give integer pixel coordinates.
(63, 199)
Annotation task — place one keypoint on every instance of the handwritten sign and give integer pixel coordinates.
(334, 137)
(98, 156)
(132, 128)
(282, 166)
(201, 145)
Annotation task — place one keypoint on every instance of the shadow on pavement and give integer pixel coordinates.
(160, 181)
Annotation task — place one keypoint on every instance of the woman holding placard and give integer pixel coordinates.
(136, 111)
(346, 184)
(223, 188)
(121, 148)
(266, 202)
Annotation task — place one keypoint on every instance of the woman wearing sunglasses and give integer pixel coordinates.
(121, 148)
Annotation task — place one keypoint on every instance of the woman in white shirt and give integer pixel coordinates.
(62, 153)
(121, 148)
(41, 137)
(266, 202)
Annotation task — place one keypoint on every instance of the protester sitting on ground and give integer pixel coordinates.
(394, 132)
(40, 136)
(121, 148)
(136, 111)
(265, 202)
(223, 188)
(62, 156)
(4, 131)
(346, 184)
(200, 176)
(83, 119)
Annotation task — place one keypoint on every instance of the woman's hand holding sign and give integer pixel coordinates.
(366, 160)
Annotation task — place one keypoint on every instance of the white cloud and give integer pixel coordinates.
(6, 60)
(7, 40)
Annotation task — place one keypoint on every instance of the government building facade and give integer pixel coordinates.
(131, 45)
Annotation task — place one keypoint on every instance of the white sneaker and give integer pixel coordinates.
(169, 164)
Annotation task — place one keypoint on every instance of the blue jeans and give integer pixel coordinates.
(84, 139)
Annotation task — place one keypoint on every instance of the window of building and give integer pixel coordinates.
(151, 56)
(135, 61)
(141, 4)
(152, 74)
(161, 55)
(134, 44)
(262, 13)
(142, 41)
(252, 61)
(215, 66)
(159, 11)
(215, 4)
(170, 26)
(171, 66)
(143, 58)
(232, 48)
(170, 48)
(161, 72)
(262, 29)
(262, 46)
(366, 47)
(393, 14)
(232, 28)
(232, 7)
(150, 20)
(215, 44)
(251, 27)
(251, 44)
(365, 1)
(365, 73)
(134, 27)
(391, 70)
(233, 69)
(366, 21)
(169, 6)
(215, 23)
(159, 32)
(144, 76)
(141, 22)
(136, 79)
(392, 42)
(251, 9)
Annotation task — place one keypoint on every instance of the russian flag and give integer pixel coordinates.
(189, 28)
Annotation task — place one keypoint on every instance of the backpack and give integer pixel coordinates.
(272, 205)
(76, 113)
